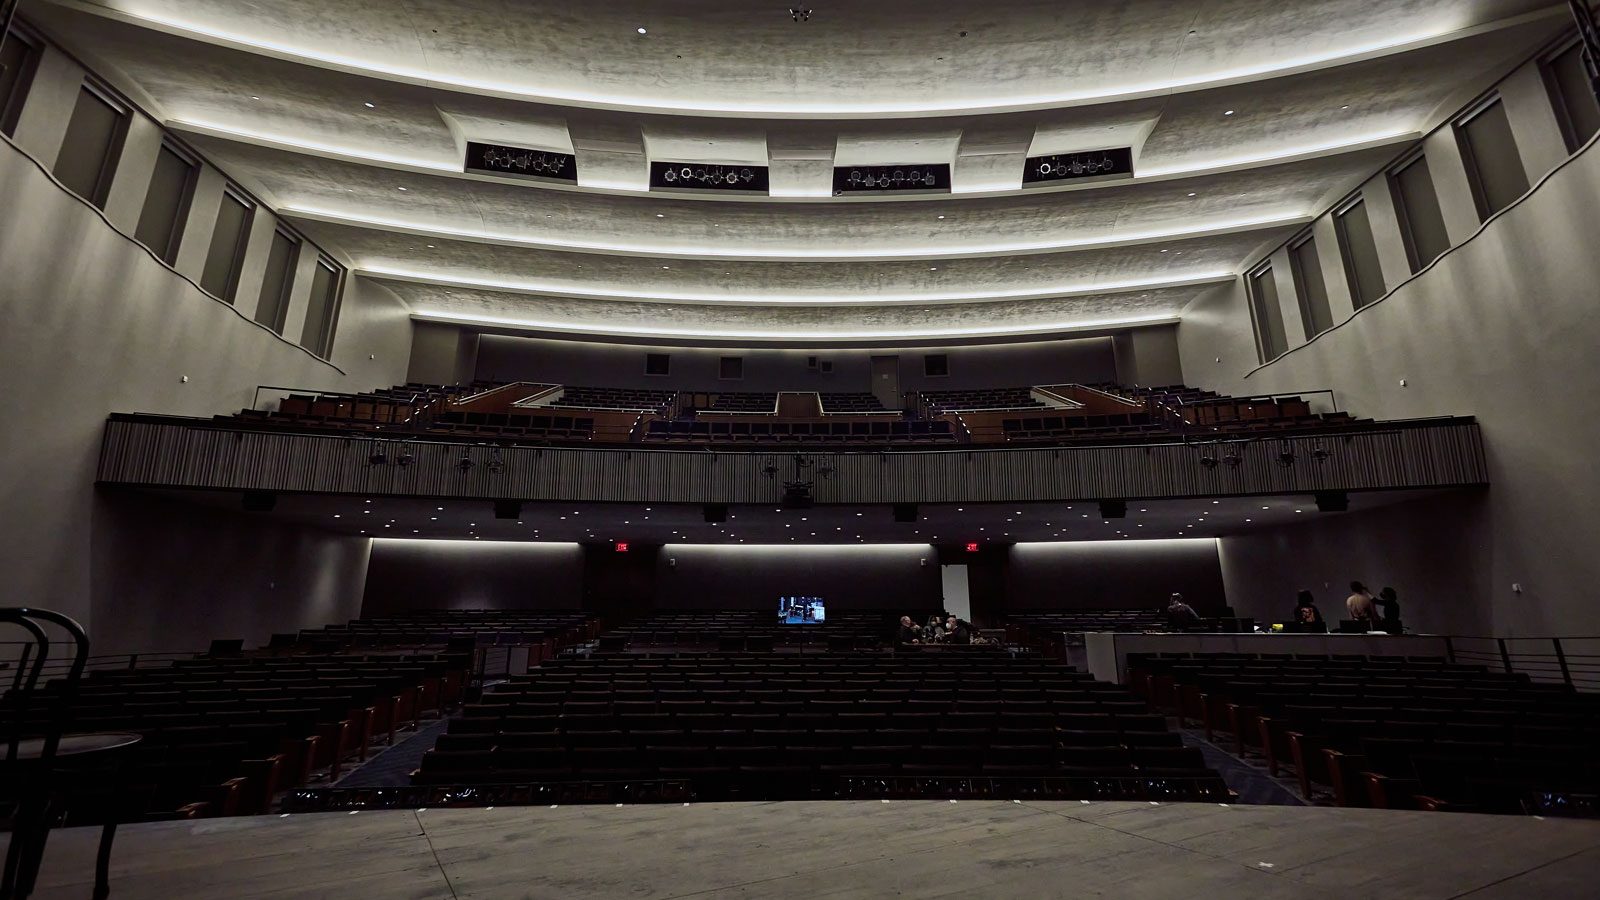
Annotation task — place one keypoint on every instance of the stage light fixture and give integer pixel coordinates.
(1320, 455)
(1232, 460)
(1208, 461)
(1285, 458)
(465, 463)
(800, 13)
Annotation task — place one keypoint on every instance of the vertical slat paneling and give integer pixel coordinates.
(170, 453)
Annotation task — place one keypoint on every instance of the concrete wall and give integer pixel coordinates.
(503, 358)
(171, 576)
(1502, 327)
(94, 324)
(1113, 575)
(1427, 550)
(406, 575)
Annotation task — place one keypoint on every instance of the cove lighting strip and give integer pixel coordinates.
(822, 255)
(130, 11)
(523, 287)
(630, 330)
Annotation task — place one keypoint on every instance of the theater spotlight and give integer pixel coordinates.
(465, 463)
(405, 458)
(669, 176)
(1208, 461)
(1285, 457)
(1320, 455)
(496, 463)
(1232, 460)
(377, 456)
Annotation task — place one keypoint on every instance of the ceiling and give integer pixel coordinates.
(983, 523)
(1246, 118)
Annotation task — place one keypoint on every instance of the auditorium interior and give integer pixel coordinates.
(1159, 428)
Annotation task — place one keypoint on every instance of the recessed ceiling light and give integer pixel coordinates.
(369, 106)
(253, 97)
(433, 518)
(1228, 112)
(1247, 520)
(1344, 107)
(336, 515)
(933, 268)
(661, 215)
(430, 246)
(402, 189)
(941, 217)
(1163, 249)
(642, 31)
(1191, 193)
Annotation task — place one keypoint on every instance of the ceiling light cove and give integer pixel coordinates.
(1399, 42)
(821, 254)
(587, 292)
(694, 334)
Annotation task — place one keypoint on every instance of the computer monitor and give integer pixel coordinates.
(801, 611)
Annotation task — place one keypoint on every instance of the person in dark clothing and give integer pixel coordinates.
(957, 631)
(1305, 610)
(1180, 615)
(1389, 604)
(910, 633)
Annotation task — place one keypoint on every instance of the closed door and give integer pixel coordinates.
(886, 381)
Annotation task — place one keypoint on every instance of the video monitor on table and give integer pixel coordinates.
(800, 610)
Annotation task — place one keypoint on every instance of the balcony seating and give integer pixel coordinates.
(741, 402)
(852, 403)
(988, 398)
(637, 399)
(1394, 732)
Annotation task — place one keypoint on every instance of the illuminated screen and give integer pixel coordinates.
(800, 610)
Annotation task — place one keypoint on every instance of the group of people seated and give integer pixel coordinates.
(941, 629)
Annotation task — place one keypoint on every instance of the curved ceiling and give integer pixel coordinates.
(1245, 118)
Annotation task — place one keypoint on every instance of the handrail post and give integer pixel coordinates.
(1450, 649)
(1561, 658)
(133, 660)
(1505, 658)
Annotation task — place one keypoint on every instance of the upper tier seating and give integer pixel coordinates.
(790, 726)
(620, 416)
(1388, 731)
(852, 403)
(988, 398)
(543, 632)
(742, 402)
(614, 398)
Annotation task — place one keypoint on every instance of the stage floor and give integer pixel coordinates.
(869, 849)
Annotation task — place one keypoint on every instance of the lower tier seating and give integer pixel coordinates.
(1392, 732)
(774, 725)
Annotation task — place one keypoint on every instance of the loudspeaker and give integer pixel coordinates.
(508, 509)
(906, 512)
(1113, 509)
(715, 512)
(260, 501)
(1333, 501)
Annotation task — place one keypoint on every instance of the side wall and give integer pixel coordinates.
(1502, 327)
(1113, 575)
(406, 575)
(170, 576)
(95, 324)
(1422, 549)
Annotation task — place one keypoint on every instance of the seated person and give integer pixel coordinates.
(957, 631)
(1180, 615)
(1389, 604)
(910, 633)
(1305, 610)
(1360, 604)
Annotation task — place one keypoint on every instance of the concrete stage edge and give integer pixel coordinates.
(871, 849)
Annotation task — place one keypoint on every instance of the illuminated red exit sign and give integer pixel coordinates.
(622, 546)
(972, 548)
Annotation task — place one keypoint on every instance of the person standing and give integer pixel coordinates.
(1389, 603)
(1360, 604)
(1180, 615)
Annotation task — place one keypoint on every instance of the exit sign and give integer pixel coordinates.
(972, 548)
(622, 546)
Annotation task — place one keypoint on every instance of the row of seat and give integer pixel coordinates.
(1392, 732)
(800, 431)
(852, 402)
(986, 398)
